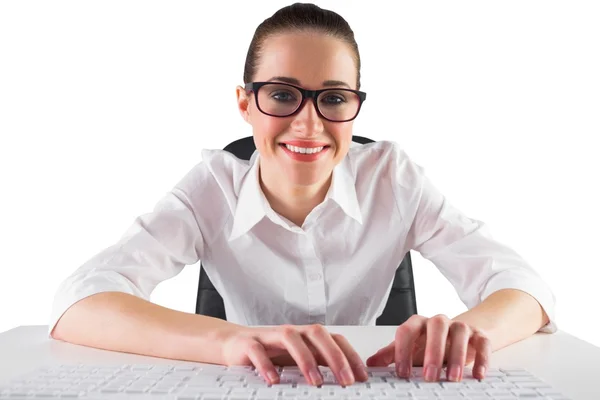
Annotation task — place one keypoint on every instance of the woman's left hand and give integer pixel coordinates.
(431, 342)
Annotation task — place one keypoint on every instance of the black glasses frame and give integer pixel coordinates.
(306, 94)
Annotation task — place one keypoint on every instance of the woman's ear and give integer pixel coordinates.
(243, 101)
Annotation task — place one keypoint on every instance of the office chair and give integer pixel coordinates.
(401, 303)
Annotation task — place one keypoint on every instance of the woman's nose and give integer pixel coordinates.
(307, 118)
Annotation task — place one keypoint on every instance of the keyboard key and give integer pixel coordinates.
(549, 391)
(515, 372)
(503, 385)
(187, 397)
(239, 397)
(213, 397)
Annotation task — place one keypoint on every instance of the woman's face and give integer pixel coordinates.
(307, 60)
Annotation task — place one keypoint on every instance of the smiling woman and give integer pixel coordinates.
(308, 232)
(295, 184)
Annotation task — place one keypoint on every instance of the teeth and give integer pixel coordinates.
(304, 150)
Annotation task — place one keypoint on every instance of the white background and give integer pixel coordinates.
(104, 106)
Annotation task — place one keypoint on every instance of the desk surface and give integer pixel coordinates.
(567, 363)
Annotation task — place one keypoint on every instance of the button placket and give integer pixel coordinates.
(315, 281)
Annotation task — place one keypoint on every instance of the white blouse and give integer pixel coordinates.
(336, 269)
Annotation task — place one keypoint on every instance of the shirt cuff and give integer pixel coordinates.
(78, 287)
(535, 288)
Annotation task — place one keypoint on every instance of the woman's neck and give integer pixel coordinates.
(291, 201)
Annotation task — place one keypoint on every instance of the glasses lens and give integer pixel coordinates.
(283, 100)
(279, 100)
(338, 104)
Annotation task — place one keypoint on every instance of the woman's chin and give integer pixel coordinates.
(305, 179)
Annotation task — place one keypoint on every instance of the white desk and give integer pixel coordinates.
(569, 364)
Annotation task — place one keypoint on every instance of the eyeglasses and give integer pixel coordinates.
(284, 100)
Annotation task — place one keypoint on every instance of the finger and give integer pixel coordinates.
(329, 349)
(383, 357)
(287, 360)
(406, 336)
(435, 347)
(296, 346)
(284, 360)
(483, 352)
(258, 356)
(418, 354)
(458, 335)
(358, 367)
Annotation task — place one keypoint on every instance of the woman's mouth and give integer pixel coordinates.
(304, 153)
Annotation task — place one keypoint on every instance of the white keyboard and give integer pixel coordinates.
(215, 382)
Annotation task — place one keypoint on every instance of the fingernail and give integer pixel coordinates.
(454, 373)
(480, 372)
(402, 369)
(347, 376)
(364, 372)
(315, 377)
(431, 373)
(273, 376)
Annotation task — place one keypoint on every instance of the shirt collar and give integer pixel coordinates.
(343, 190)
(252, 205)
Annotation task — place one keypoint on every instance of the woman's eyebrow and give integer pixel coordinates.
(294, 81)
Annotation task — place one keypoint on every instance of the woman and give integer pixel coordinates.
(308, 232)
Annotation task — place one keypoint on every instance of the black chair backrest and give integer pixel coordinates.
(400, 305)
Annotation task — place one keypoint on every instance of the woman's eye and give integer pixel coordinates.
(333, 99)
(282, 96)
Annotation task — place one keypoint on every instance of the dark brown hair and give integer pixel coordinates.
(297, 18)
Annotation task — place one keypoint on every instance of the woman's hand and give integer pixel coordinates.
(307, 346)
(431, 342)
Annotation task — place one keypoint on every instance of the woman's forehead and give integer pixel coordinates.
(310, 59)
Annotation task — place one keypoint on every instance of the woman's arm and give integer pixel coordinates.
(105, 302)
(488, 275)
(507, 316)
(123, 322)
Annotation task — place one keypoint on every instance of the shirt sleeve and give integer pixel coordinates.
(466, 254)
(155, 248)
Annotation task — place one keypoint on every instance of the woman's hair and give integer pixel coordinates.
(300, 17)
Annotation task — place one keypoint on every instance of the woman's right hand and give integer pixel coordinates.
(306, 346)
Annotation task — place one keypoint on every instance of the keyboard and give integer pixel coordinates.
(216, 382)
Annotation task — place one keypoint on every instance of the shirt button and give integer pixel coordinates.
(314, 277)
(306, 245)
